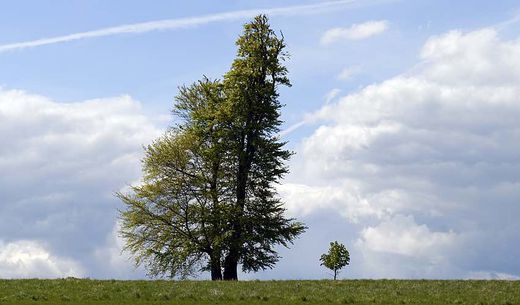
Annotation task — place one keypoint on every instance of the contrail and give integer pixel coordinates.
(170, 24)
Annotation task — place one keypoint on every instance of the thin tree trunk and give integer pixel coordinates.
(244, 166)
(216, 267)
(335, 274)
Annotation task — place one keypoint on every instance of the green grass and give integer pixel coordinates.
(76, 291)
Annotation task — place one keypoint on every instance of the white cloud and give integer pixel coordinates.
(348, 199)
(355, 32)
(347, 73)
(398, 247)
(488, 63)
(424, 164)
(402, 235)
(170, 24)
(31, 259)
(62, 164)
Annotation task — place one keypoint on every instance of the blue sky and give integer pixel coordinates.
(403, 116)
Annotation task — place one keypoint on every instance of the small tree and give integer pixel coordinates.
(337, 258)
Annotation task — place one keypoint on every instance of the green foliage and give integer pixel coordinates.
(362, 292)
(337, 257)
(208, 199)
(257, 222)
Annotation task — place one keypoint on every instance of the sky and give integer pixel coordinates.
(403, 116)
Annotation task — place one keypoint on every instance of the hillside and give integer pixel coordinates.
(84, 291)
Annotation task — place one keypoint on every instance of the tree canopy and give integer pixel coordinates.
(208, 199)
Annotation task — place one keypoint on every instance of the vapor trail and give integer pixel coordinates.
(170, 24)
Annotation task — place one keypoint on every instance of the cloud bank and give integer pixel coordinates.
(424, 167)
(61, 165)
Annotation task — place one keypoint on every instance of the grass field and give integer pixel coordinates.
(76, 291)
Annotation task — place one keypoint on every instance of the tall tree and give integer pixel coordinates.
(251, 87)
(208, 199)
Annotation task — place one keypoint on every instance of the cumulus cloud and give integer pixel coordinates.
(31, 259)
(62, 164)
(354, 32)
(347, 199)
(402, 235)
(425, 164)
(398, 247)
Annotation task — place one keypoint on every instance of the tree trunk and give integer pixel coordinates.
(244, 166)
(231, 267)
(216, 269)
(216, 273)
(335, 274)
